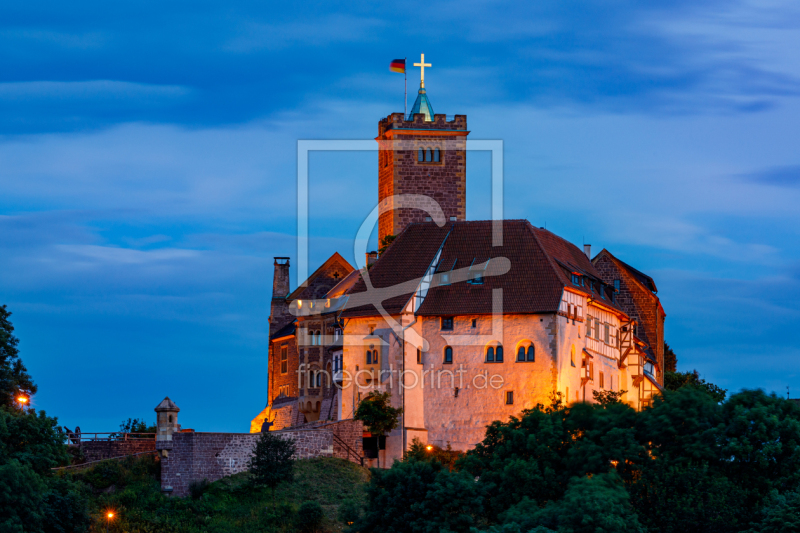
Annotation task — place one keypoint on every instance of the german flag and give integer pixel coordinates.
(398, 65)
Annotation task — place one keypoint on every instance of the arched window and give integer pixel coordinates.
(436, 155)
(448, 354)
(319, 379)
(428, 155)
(319, 338)
(490, 354)
(421, 155)
(521, 354)
(369, 357)
(499, 354)
(531, 353)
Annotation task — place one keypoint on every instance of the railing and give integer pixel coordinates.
(89, 464)
(77, 438)
(350, 451)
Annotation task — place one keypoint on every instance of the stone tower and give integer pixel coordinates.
(422, 154)
(166, 423)
(279, 314)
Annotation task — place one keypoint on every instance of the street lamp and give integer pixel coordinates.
(109, 516)
(429, 447)
(22, 400)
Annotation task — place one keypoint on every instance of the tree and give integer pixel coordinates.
(378, 415)
(670, 359)
(14, 378)
(272, 462)
(386, 242)
(309, 517)
(608, 397)
(677, 380)
(780, 515)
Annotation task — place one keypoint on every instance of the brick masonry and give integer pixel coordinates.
(400, 172)
(212, 456)
(108, 449)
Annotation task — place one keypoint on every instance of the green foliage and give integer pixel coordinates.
(21, 492)
(230, 505)
(31, 438)
(198, 488)
(136, 425)
(416, 452)
(309, 517)
(688, 463)
(349, 512)
(14, 377)
(377, 413)
(272, 461)
(670, 359)
(780, 515)
(608, 397)
(676, 380)
(676, 498)
(386, 242)
(421, 496)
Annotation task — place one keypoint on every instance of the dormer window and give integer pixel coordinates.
(576, 279)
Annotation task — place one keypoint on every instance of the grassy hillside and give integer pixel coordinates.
(131, 489)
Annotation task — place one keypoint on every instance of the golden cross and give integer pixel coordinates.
(422, 64)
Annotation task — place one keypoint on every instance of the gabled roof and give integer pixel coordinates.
(539, 269)
(639, 276)
(317, 284)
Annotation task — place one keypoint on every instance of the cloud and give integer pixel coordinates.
(786, 176)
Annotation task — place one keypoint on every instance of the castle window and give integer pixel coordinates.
(421, 155)
(319, 379)
(369, 357)
(170, 419)
(602, 381)
(510, 397)
(521, 354)
(602, 291)
(616, 285)
(490, 354)
(572, 355)
(436, 155)
(448, 354)
(607, 333)
(447, 323)
(498, 354)
(284, 359)
(474, 322)
(419, 356)
(428, 155)
(531, 354)
(576, 279)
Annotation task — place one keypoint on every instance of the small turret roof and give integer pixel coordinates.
(167, 405)
(422, 105)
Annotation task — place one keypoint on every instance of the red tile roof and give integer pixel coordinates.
(533, 274)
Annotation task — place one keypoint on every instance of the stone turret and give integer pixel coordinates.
(279, 314)
(167, 424)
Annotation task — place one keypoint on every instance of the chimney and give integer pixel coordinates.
(587, 249)
(371, 257)
(280, 280)
(279, 314)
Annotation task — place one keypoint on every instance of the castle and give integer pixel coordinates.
(463, 322)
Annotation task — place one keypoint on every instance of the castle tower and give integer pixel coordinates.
(166, 423)
(279, 314)
(422, 154)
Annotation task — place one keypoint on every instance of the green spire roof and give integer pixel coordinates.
(422, 105)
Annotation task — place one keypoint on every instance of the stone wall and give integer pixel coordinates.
(108, 449)
(212, 456)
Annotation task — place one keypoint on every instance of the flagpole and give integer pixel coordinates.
(405, 90)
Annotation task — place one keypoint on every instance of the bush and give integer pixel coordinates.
(349, 512)
(198, 488)
(309, 517)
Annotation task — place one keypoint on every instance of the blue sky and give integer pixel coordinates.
(147, 170)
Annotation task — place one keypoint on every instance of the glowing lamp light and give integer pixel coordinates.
(110, 515)
(429, 447)
(22, 399)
